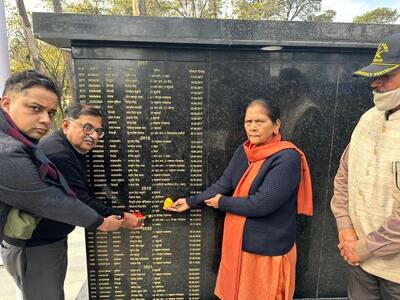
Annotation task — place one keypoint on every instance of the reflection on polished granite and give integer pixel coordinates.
(310, 79)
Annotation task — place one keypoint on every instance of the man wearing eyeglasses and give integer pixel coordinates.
(30, 185)
(80, 132)
(366, 200)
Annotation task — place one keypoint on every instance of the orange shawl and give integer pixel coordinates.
(229, 269)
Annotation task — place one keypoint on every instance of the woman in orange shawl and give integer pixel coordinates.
(264, 182)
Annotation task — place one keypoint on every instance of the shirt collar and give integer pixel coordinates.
(393, 116)
(72, 146)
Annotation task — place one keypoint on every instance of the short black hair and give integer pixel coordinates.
(74, 111)
(28, 79)
(272, 109)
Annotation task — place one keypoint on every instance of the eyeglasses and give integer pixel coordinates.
(395, 167)
(89, 129)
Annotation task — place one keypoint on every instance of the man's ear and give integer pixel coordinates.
(5, 103)
(64, 125)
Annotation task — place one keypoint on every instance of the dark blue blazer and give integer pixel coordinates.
(270, 208)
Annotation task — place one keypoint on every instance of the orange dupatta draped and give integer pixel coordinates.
(227, 285)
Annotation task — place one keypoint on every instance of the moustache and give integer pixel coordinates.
(88, 139)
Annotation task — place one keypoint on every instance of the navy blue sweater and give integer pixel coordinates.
(270, 208)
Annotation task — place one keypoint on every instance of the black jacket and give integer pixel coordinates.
(72, 165)
(22, 188)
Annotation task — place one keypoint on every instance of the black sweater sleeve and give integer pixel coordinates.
(67, 165)
(225, 185)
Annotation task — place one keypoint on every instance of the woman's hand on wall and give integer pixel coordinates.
(179, 205)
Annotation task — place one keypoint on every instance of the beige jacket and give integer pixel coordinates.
(381, 242)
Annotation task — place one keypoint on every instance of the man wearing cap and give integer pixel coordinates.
(366, 200)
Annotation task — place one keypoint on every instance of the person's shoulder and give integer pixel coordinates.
(239, 153)
(239, 149)
(287, 155)
(14, 160)
(372, 114)
(54, 145)
(52, 139)
(10, 146)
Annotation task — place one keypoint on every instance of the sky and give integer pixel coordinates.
(346, 10)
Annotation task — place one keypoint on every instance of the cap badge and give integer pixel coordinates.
(382, 48)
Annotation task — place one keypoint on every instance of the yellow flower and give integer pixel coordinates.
(168, 202)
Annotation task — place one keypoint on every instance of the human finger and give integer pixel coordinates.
(173, 209)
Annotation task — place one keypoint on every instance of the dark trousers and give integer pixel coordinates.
(364, 286)
(39, 272)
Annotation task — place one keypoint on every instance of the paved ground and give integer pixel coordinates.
(76, 273)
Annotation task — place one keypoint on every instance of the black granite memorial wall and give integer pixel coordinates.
(173, 94)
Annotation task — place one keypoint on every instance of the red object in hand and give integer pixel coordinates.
(138, 215)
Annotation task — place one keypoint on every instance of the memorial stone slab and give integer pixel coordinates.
(173, 93)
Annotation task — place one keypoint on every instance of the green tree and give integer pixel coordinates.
(326, 16)
(139, 8)
(256, 9)
(185, 8)
(287, 10)
(162, 8)
(30, 41)
(92, 7)
(50, 57)
(381, 15)
(291, 10)
(51, 60)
